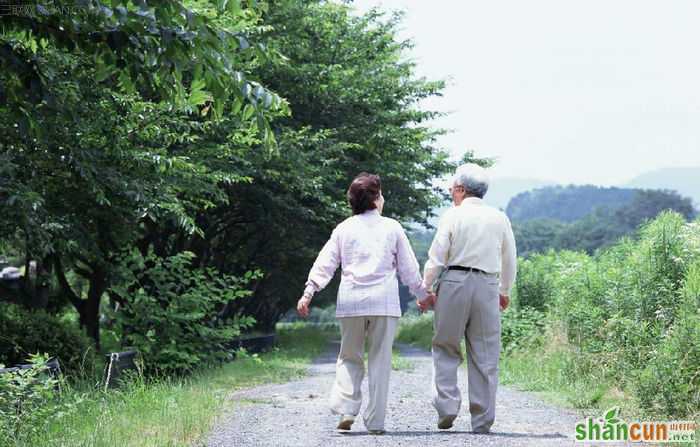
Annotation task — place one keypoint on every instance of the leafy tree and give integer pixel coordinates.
(80, 183)
(537, 235)
(165, 141)
(355, 107)
(182, 51)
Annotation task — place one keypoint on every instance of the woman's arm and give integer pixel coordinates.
(327, 262)
(407, 265)
(321, 273)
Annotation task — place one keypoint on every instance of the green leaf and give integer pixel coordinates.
(198, 96)
(248, 112)
(221, 5)
(234, 7)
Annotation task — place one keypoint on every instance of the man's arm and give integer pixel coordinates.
(509, 261)
(438, 253)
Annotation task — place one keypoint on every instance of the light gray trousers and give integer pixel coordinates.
(467, 306)
(346, 395)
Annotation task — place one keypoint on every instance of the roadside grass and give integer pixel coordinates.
(416, 330)
(540, 368)
(399, 363)
(555, 373)
(178, 411)
(543, 371)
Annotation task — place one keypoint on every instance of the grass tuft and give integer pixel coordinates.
(178, 411)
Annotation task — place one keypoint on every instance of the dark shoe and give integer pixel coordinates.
(376, 432)
(446, 422)
(481, 431)
(346, 422)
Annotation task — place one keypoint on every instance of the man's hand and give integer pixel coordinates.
(503, 301)
(427, 302)
(303, 306)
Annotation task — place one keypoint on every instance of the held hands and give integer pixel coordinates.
(428, 302)
(303, 306)
(503, 301)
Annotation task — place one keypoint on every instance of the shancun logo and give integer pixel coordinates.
(611, 428)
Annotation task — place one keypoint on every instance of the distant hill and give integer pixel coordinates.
(541, 199)
(577, 217)
(600, 228)
(501, 190)
(686, 181)
(566, 203)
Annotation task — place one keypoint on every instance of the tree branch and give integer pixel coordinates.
(63, 282)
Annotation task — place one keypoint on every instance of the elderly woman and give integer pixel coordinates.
(371, 250)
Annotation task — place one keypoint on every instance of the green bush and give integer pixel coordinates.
(520, 327)
(25, 332)
(670, 383)
(630, 314)
(322, 314)
(691, 286)
(666, 250)
(631, 342)
(583, 321)
(29, 398)
(541, 276)
(171, 311)
(416, 330)
(317, 315)
(534, 288)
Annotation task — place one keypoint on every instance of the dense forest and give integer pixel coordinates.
(580, 218)
(586, 218)
(175, 166)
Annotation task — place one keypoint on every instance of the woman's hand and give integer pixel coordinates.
(303, 306)
(427, 303)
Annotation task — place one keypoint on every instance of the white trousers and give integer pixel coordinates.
(346, 395)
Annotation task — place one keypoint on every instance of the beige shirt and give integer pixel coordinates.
(473, 235)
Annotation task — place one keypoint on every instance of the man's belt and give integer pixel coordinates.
(465, 269)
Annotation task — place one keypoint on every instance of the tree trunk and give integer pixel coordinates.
(42, 284)
(90, 309)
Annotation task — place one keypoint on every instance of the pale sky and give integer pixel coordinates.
(571, 91)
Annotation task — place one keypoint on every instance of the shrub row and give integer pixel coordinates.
(633, 308)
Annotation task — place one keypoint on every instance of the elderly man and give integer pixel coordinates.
(474, 249)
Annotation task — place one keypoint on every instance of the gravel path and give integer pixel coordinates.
(296, 414)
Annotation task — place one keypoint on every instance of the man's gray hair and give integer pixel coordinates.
(473, 178)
